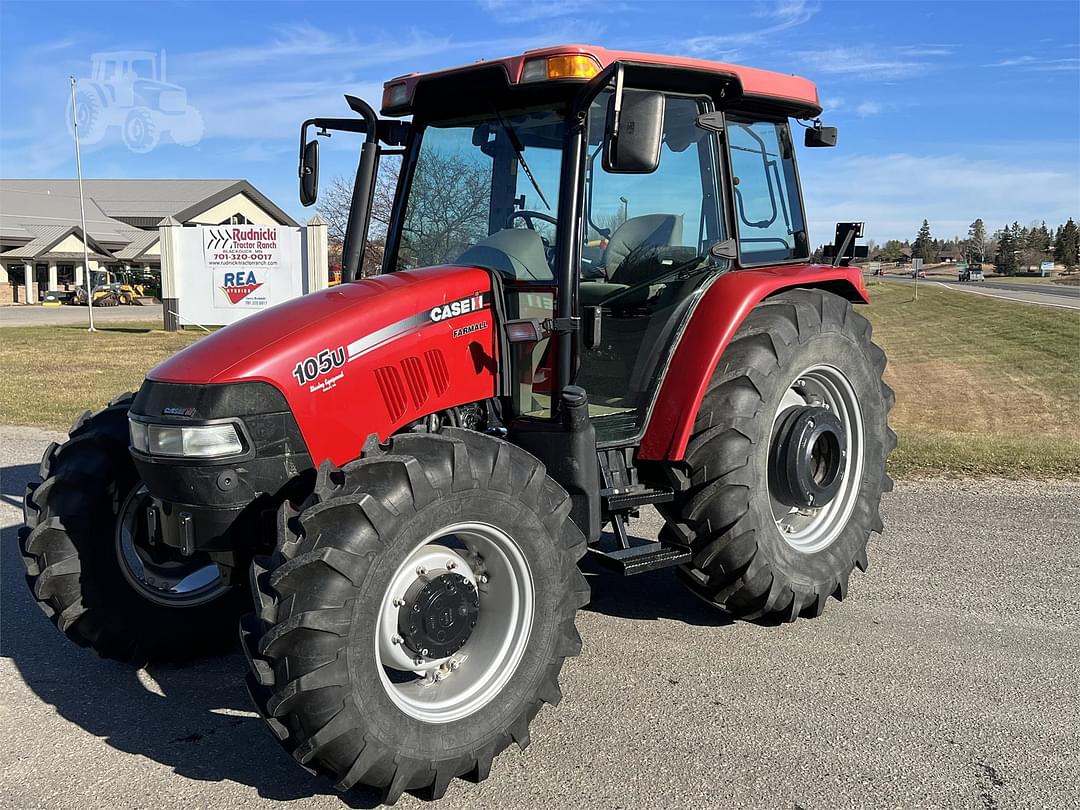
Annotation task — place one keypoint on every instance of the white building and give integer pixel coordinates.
(41, 239)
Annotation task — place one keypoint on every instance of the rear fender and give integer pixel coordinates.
(714, 322)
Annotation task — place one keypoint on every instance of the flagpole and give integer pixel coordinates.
(82, 213)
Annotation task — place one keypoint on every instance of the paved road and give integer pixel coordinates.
(1047, 295)
(53, 316)
(949, 678)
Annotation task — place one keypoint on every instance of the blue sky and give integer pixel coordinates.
(948, 111)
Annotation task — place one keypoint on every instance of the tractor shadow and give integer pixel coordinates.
(648, 596)
(196, 720)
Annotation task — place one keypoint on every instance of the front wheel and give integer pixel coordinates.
(417, 612)
(92, 569)
(787, 460)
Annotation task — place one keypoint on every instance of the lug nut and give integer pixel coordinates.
(424, 652)
(454, 665)
(396, 639)
(810, 423)
(420, 570)
(810, 498)
(450, 565)
(398, 602)
(418, 661)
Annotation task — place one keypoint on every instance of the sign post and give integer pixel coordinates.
(916, 267)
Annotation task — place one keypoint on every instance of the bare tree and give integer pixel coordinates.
(334, 205)
(447, 211)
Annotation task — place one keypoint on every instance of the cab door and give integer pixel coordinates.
(645, 262)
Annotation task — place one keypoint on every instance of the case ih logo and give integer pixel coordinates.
(240, 285)
(462, 306)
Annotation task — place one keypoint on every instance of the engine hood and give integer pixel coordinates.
(366, 357)
(253, 347)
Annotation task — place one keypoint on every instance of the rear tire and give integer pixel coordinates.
(750, 557)
(318, 676)
(72, 554)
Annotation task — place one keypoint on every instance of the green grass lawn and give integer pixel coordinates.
(52, 374)
(983, 386)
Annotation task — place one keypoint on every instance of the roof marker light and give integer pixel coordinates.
(396, 95)
(569, 66)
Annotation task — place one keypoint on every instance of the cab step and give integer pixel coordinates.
(640, 559)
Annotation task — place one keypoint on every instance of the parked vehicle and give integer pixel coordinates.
(971, 273)
(409, 468)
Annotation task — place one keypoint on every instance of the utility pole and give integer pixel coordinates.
(82, 213)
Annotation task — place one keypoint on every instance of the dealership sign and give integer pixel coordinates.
(243, 260)
(226, 272)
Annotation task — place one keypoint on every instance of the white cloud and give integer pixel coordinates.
(522, 11)
(785, 14)
(863, 62)
(894, 193)
(1039, 63)
(867, 109)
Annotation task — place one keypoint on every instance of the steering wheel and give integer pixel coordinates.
(529, 216)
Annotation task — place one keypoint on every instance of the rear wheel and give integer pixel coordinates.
(417, 612)
(91, 568)
(787, 460)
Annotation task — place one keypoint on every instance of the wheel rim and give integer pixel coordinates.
(811, 529)
(160, 573)
(481, 561)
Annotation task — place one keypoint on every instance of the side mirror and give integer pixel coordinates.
(818, 136)
(634, 130)
(309, 173)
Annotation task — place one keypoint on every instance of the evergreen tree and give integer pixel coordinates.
(1006, 255)
(1067, 249)
(976, 241)
(924, 244)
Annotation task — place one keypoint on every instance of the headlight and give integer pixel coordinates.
(194, 441)
(137, 430)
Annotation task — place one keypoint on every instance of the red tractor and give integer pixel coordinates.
(596, 295)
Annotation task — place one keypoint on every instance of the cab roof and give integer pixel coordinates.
(792, 95)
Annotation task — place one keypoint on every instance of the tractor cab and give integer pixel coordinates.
(605, 192)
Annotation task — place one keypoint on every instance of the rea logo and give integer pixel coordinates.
(461, 307)
(239, 285)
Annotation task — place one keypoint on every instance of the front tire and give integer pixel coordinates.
(332, 643)
(83, 565)
(763, 547)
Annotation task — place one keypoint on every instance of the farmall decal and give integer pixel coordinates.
(242, 259)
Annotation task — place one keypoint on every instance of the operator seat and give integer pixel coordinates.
(649, 230)
(517, 253)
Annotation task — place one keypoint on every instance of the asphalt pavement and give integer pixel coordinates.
(949, 678)
(32, 315)
(1048, 295)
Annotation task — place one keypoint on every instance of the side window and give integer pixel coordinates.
(768, 208)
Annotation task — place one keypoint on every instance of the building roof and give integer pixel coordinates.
(121, 215)
(48, 237)
(138, 245)
(24, 208)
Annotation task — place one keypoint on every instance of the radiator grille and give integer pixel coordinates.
(392, 390)
(414, 376)
(436, 364)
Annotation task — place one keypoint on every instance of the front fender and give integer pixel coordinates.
(714, 322)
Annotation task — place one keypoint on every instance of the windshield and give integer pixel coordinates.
(476, 180)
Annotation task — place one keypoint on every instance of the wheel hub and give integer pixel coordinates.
(809, 449)
(439, 614)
